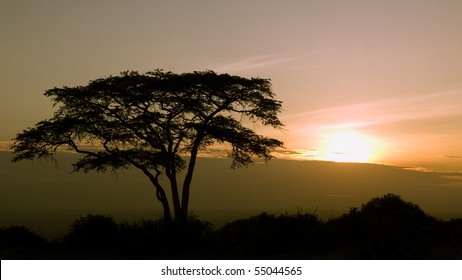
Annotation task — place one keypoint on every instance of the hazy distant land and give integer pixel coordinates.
(48, 197)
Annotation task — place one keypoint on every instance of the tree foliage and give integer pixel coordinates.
(152, 121)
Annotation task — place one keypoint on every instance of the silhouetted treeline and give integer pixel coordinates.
(384, 228)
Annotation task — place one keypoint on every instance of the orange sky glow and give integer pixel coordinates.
(360, 81)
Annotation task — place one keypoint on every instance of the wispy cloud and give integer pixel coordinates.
(438, 104)
(418, 168)
(453, 180)
(252, 63)
(451, 157)
(5, 145)
(295, 60)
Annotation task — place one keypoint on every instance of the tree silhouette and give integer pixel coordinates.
(157, 122)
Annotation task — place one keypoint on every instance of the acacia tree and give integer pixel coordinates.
(157, 122)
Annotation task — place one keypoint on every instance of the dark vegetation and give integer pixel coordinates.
(384, 228)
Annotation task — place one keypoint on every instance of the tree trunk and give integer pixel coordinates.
(162, 197)
(175, 194)
(187, 185)
(160, 192)
(167, 214)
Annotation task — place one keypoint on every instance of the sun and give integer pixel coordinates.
(347, 146)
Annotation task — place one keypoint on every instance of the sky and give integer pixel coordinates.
(368, 81)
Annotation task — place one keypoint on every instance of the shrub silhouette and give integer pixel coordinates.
(93, 234)
(384, 228)
(270, 236)
(392, 210)
(97, 236)
(16, 241)
(156, 239)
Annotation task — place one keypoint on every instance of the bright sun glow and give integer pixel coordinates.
(347, 147)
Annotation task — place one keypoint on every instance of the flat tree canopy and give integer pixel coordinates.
(157, 122)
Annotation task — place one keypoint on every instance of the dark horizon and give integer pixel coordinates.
(48, 196)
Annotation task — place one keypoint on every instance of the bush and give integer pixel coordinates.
(385, 228)
(94, 234)
(19, 242)
(270, 236)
